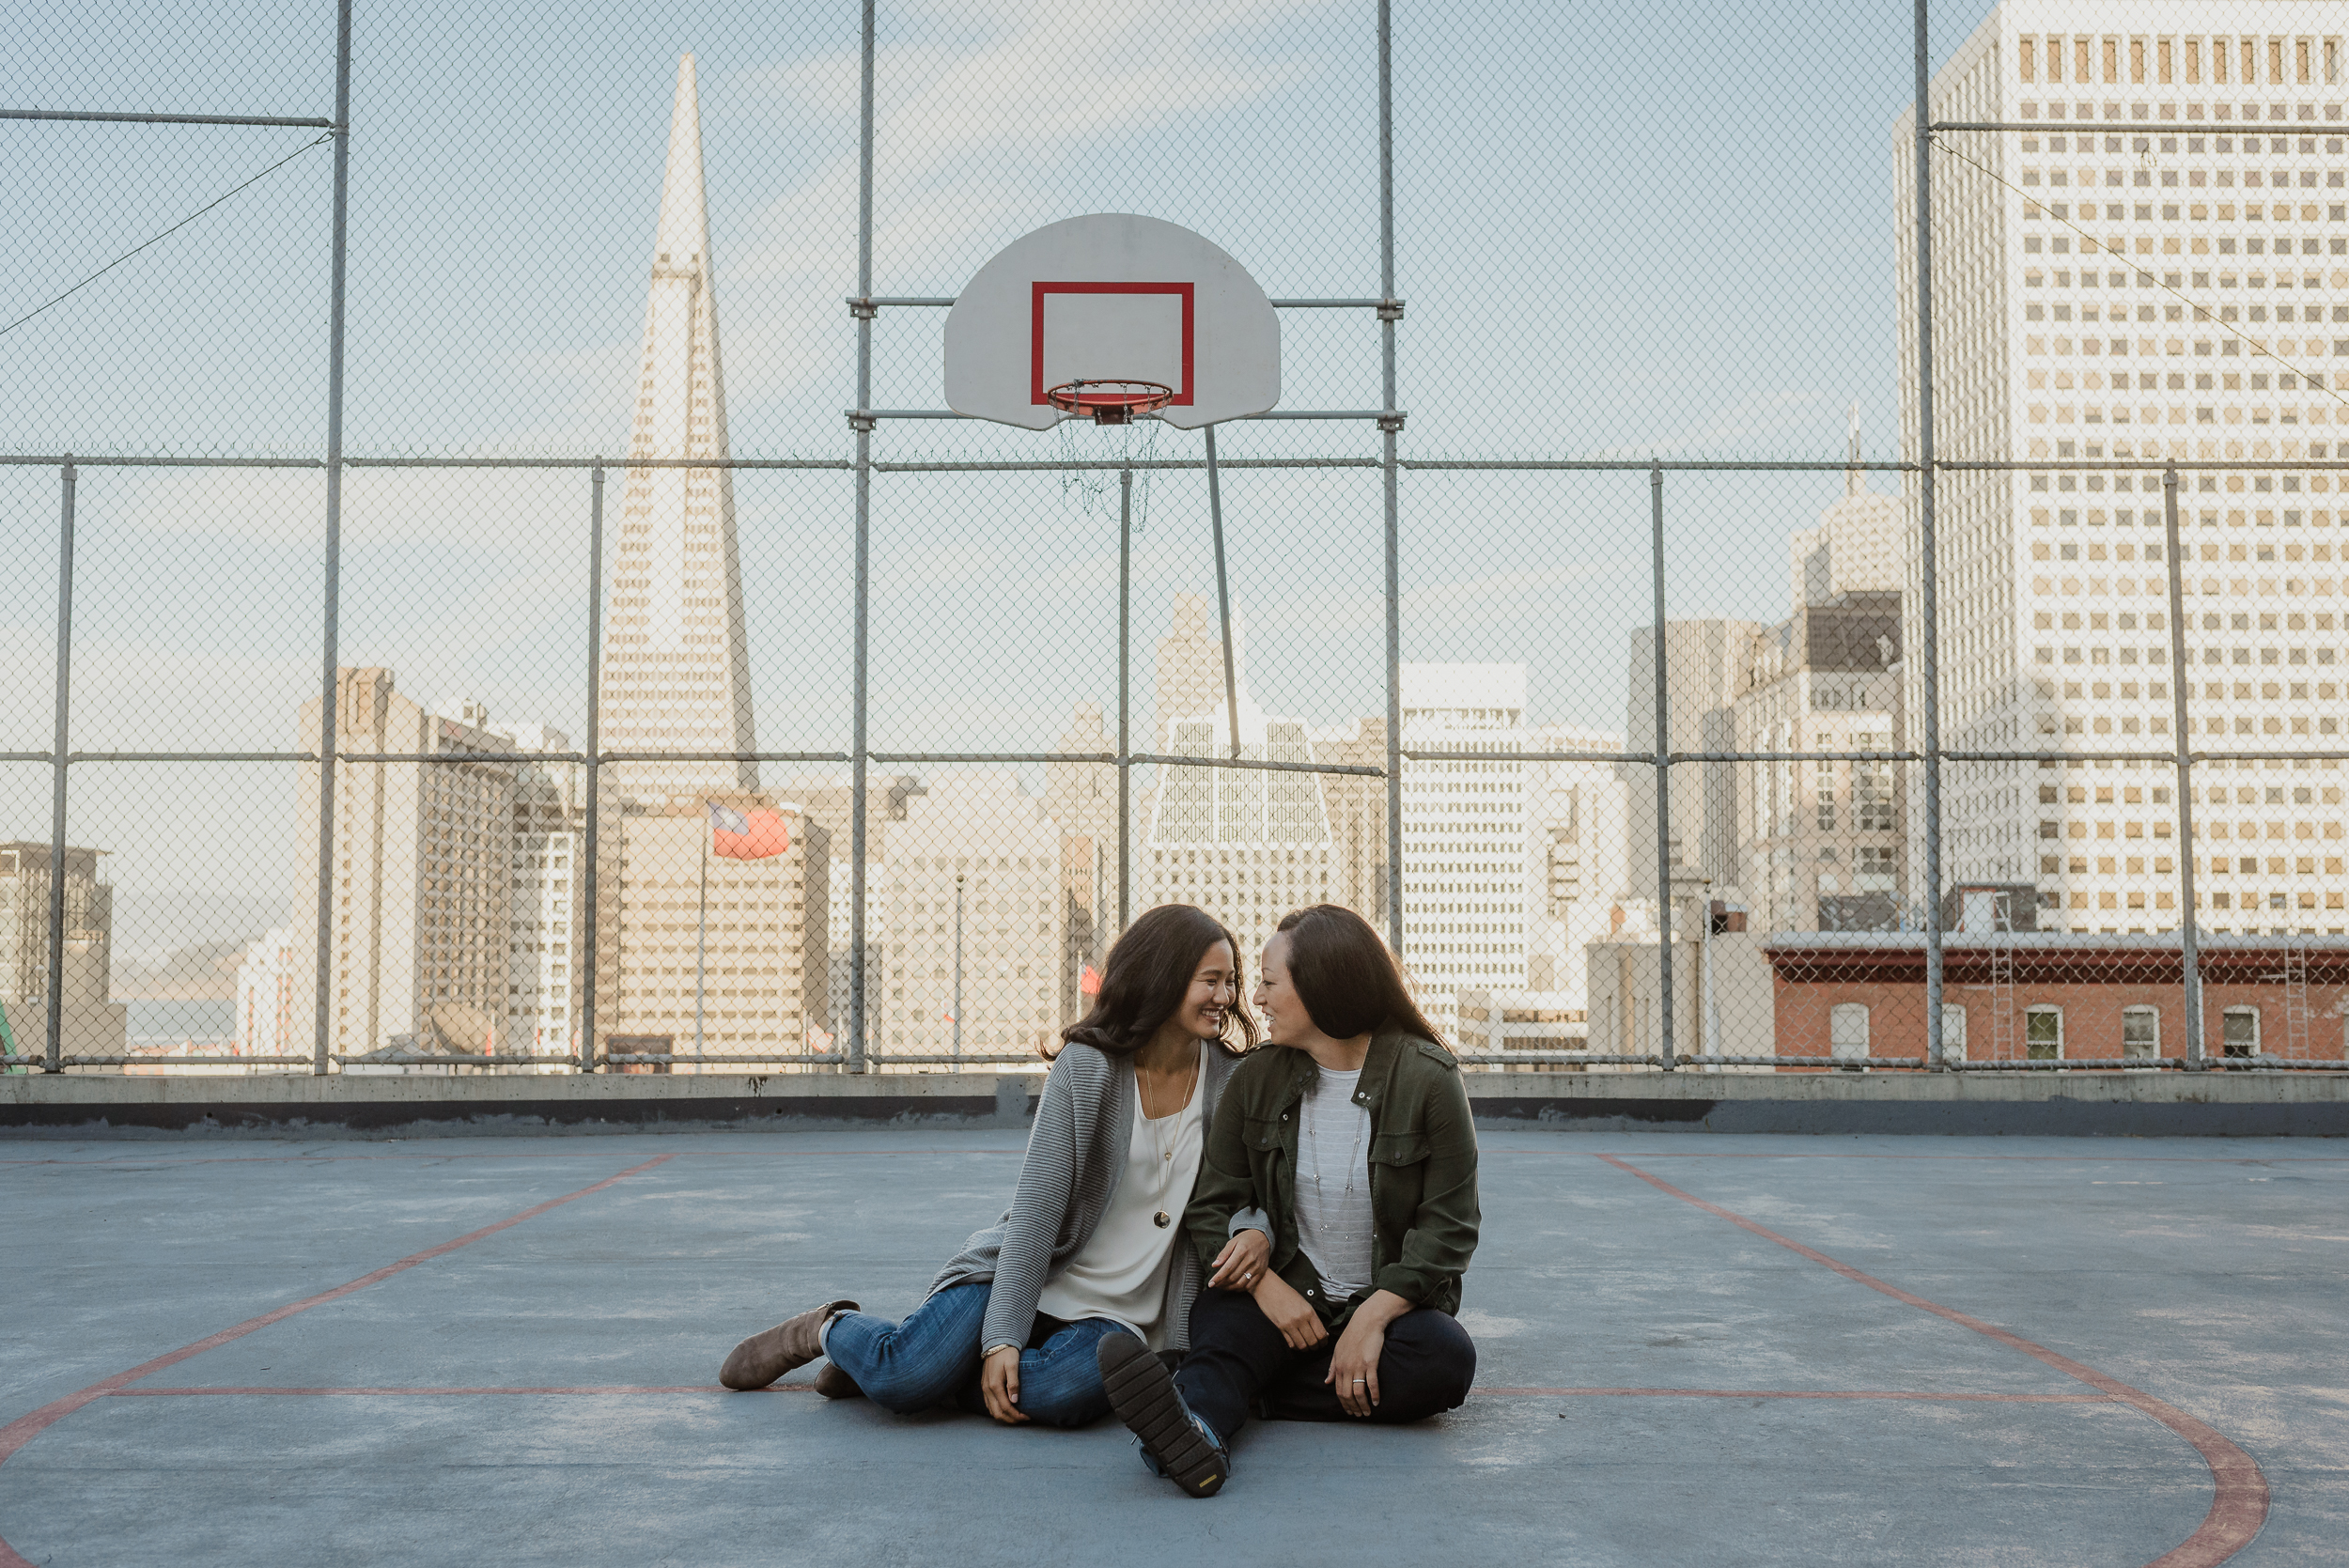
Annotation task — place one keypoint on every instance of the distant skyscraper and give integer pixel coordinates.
(2113, 292)
(424, 854)
(549, 821)
(676, 665)
(1245, 844)
(92, 1023)
(1190, 678)
(695, 950)
(1705, 665)
(968, 900)
(1464, 868)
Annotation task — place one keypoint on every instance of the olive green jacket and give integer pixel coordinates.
(1423, 1170)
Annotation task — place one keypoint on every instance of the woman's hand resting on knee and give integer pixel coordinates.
(1289, 1311)
(999, 1384)
(1354, 1365)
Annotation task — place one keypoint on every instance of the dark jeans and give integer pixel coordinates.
(1239, 1362)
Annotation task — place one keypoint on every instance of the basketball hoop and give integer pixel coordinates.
(1109, 329)
(1104, 436)
(1110, 402)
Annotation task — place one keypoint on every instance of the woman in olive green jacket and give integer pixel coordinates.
(1352, 1133)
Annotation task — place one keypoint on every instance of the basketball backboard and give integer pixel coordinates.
(1113, 297)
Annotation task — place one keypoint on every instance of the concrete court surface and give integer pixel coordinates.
(1694, 1349)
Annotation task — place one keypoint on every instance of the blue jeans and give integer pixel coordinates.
(932, 1358)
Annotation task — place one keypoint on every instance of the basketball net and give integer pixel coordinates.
(1101, 451)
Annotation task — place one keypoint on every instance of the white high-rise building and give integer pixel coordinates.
(676, 663)
(546, 946)
(2103, 291)
(273, 1012)
(1465, 863)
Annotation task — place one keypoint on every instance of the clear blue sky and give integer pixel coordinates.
(1622, 230)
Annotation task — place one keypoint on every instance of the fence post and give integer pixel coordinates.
(1928, 607)
(863, 420)
(2190, 956)
(595, 770)
(1663, 778)
(54, 1052)
(1125, 703)
(1389, 428)
(1222, 595)
(320, 1058)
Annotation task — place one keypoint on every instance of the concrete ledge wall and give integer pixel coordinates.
(2119, 1103)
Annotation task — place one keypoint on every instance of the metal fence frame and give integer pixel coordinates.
(864, 308)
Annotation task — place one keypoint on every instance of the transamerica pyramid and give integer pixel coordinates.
(675, 663)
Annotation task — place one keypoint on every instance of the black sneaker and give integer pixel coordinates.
(1174, 1442)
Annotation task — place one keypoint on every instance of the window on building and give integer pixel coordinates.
(2042, 1034)
(2140, 1032)
(2239, 1031)
(1847, 1031)
(1871, 794)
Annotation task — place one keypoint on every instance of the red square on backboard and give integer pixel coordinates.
(1036, 350)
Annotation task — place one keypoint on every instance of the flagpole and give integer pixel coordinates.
(701, 943)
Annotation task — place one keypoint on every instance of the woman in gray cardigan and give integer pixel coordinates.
(1094, 1243)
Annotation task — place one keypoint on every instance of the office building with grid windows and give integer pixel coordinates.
(1465, 861)
(2109, 293)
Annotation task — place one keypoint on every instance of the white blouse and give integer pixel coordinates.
(1120, 1274)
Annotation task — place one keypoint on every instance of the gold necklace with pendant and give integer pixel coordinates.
(1166, 1150)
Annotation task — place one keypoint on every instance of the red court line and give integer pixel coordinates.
(2238, 1504)
(1801, 1393)
(25, 1428)
(606, 1389)
(2058, 1159)
(112, 1161)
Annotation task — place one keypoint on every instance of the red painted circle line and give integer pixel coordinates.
(25, 1428)
(2238, 1504)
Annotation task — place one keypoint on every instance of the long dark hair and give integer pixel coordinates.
(1146, 976)
(1349, 983)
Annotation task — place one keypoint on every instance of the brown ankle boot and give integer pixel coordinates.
(835, 1384)
(763, 1357)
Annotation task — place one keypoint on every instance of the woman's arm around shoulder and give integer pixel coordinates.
(1224, 1198)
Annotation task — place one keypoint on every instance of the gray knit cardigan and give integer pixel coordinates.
(1077, 1151)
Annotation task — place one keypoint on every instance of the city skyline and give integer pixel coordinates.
(1808, 846)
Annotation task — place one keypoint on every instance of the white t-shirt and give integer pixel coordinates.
(1333, 1224)
(1120, 1272)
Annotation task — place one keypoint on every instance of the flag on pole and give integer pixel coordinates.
(1089, 982)
(757, 835)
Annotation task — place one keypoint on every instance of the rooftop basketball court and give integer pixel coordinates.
(1726, 1350)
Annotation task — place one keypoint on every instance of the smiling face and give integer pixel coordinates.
(1214, 987)
(1286, 1020)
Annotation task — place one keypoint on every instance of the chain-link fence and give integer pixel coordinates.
(582, 698)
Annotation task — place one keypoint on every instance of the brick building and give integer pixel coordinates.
(1852, 997)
